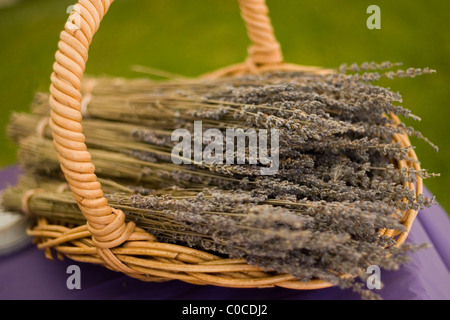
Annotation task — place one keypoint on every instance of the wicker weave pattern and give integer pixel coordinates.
(106, 238)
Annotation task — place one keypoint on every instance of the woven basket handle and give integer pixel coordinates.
(264, 50)
(107, 225)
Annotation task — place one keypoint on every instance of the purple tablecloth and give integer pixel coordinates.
(29, 275)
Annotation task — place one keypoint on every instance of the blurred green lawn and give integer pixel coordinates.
(191, 37)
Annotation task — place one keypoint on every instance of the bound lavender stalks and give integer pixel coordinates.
(308, 239)
(338, 180)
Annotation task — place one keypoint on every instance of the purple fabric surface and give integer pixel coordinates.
(29, 275)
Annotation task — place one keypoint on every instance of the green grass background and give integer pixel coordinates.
(191, 37)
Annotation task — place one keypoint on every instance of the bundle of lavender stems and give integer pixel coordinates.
(317, 216)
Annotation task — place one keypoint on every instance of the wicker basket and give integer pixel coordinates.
(107, 238)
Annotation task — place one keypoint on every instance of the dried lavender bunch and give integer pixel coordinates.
(318, 217)
(309, 239)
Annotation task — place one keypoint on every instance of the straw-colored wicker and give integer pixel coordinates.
(106, 238)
